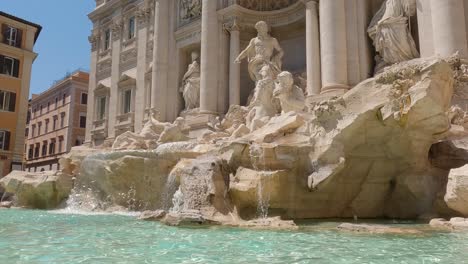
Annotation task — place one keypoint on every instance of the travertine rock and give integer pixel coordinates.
(46, 190)
(456, 196)
(454, 223)
(152, 215)
(375, 229)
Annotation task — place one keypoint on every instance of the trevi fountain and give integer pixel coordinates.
(331, 131)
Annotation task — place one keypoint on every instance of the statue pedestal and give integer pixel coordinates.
(198, 121)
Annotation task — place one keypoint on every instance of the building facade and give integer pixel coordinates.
(142, 50)
(17, 41)
(57, 122)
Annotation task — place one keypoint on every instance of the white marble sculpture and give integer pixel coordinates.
(262, 106)
(191, 84)
(390, 32)
(260, 52)
(290, 96)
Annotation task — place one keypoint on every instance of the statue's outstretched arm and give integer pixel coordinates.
(244, 53)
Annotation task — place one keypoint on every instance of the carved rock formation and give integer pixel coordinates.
(366, 154)
(46, 190)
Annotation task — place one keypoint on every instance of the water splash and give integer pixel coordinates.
(263, 196)
(170, 188)
(177, 201)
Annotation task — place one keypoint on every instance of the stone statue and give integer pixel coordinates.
(290, 96)
(191, 84)
(190, 9)
(260, 52)
(390, 33)
(262, 107)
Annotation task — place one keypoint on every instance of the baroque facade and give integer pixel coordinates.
(163, 55)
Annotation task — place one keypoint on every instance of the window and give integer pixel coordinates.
(127, 101)
(9, 66)
(4, 140)
(131, 28)
(31, 152)
(40, 112)
(52, 147)
(48, 106)
(39, 126)
(46, 126)
(62, 120)
(44, 149)
(101, 113)
(107, 39)
(60, 145)
(7, 101)
(82, 120)
(54, 124)
(36, 151)
(26, 132)
(56, 102)
(12, 36)
(64, 99)
(84, 98)
(33, 132)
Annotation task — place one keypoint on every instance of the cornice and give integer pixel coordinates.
(248, 17)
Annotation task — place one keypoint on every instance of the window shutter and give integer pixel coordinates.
(19, 38)
(12, 102)
(16, 68)
(7, 141)
(4, 33)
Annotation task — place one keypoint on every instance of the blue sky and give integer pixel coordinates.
(63, 43)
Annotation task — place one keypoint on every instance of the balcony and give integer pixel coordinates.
(99, 129)
(125, 122)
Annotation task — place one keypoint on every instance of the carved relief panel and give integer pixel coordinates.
(189, 10)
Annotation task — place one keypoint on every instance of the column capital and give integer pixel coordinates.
(232, 25)
(116, 27)
(94, 40)
(143, 15)
(310, 3)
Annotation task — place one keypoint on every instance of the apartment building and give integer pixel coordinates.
(57, 123)
(17, 40)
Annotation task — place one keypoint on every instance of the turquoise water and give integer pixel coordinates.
(45, 237)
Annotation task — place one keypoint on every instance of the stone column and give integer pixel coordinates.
(115, 78)
(333, 48)
(160, 58)
(449, 29)
(94, 40)
(234, 68)
(140, 91)
(209, 58)
(314, 82)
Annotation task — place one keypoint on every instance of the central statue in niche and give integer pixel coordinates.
(390, 33)
(260, 53)
(191, 84)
